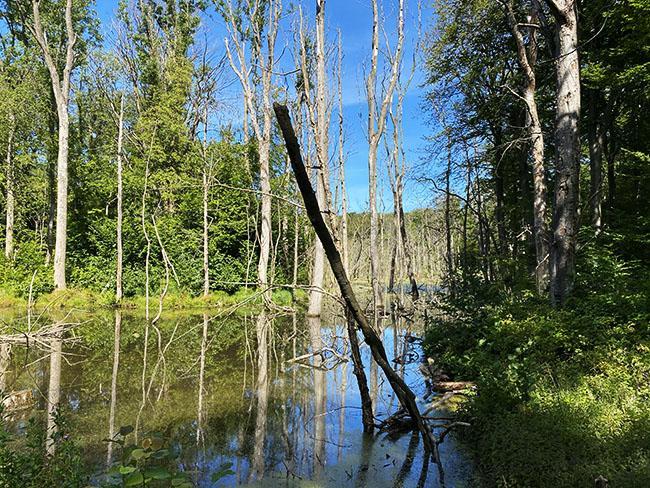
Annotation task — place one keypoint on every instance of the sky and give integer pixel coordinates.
(354, 19)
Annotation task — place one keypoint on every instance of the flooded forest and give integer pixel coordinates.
(379, 243)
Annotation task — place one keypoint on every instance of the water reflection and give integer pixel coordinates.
(224, 394)
(261, 396)
(5, 359)
(53, 392)
(117, 333)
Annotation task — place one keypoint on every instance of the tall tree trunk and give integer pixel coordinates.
(318, 111)
(5, 361)
(376, 125)
(345, 252)
(567, 142)
(611, 178)
(206, 243)
(527, 57)
(406, 247)
(120, 217)
(61, 88)
(51, 181)
(61, 201)
(10, 197)
(244, 27)
(449, 252)
(499, 193)
(596, 143)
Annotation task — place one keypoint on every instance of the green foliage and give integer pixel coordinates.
(150, 462)
(562, 396)
(28, 269)
(24, 462)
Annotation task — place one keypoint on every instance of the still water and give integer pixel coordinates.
(229, 390)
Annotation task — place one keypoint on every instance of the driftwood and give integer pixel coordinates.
(18, 400)
(454, 386)
(401, 389)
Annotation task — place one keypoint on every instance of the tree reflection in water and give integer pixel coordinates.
(233, 397)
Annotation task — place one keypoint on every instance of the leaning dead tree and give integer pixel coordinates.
(399, 386)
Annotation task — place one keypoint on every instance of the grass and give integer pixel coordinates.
(88, 300)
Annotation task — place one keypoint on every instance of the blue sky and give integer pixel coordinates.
(353, 18)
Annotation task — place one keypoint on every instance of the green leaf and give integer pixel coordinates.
(134, 479)
(161, 454)
(138, 454)
(126, 469)
(157, 473)
(221, 474)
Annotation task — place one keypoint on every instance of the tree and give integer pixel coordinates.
(527, 58)
(377, 114)
(567, 144)
(253, 25)
(314, 96)
(61, 89)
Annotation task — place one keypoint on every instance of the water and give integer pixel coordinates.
(223, 390)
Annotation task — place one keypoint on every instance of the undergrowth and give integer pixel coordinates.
(563, 394)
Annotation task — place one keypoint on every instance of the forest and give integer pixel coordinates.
(376, 243)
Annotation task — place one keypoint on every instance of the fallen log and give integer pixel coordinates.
(453, 386)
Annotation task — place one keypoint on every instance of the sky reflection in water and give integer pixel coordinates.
(226, 393)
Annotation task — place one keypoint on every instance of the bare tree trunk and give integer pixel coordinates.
(296, 230)
(5, 361)
(120, 218)
(376, 125)
(567, 142)
(318, 111)
(51, 188)
(449, 252)
(244, 27)
(527, 56)
(10, 198)
(61, 89)
(206, 249)
(206, 195)
(265, 213)
(345, 252)
(406, 246)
